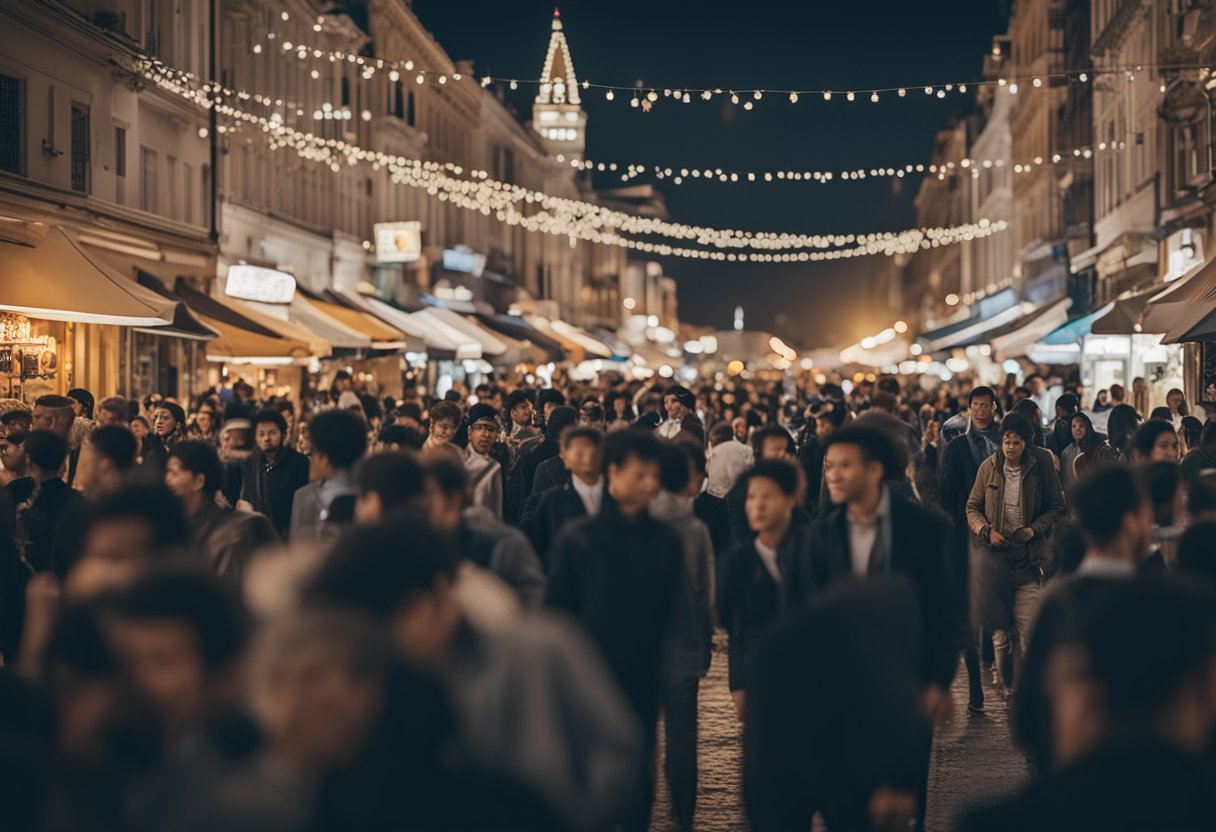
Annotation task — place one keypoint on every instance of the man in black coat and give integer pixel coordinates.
(1115, 519)
(852, 749)
(618, 574)
(271, 475)
(1132, 701)
(582, 496)
(960, 465)
(873, 530)
(771, 442)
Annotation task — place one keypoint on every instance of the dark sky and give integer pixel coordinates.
(761, 43)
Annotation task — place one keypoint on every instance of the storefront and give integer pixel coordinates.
(63, 314)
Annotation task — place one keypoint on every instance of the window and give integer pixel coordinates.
(120, 165)
(398, 106)
(171, 184)
(188, 193)
(12, 117)
(148, 184)
(80, 147)
(345, 91)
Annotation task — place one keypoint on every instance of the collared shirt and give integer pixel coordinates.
(670, 428)
(591, 495)
(866, 533)
(768, 556)
(1100, 567)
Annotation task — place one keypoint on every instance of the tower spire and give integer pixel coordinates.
(557, 113)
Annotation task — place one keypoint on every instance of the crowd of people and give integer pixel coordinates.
(478, 611)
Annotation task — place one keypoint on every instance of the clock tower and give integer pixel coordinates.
(557, 113)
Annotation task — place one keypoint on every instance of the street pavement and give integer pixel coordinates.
(973, 760)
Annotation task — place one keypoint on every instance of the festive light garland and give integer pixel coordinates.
(644, 97)
(574, 219)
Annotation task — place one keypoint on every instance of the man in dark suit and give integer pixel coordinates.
(618, 573)
(873, 530)
(1115, 518)
(584, 495)
(771, 442)
(271, 476)
(960, 464)
(852, 749)
(1134, 711)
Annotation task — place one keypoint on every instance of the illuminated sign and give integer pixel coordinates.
(398, 242)
(464, 259)
(260, 284)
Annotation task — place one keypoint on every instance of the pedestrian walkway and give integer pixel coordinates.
(973, 760)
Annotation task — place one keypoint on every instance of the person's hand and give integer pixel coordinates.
(892, 810)
(933, 432)
(938, 704)
(740, 710)
(996, 540)
(1023, 535)
(245, 505)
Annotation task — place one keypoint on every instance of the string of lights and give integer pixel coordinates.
(645, 96)
(575, 219)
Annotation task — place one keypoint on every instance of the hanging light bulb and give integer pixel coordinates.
(609, 95)
(902, 92)
(874, 96)
(850, 96)
(421, 78)
(793, 98)
(827, 95)
(394, 75)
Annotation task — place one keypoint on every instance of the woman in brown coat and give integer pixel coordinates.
(1016, 500)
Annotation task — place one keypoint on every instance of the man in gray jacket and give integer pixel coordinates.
(339, 439)
(690, 634)
(534, 700)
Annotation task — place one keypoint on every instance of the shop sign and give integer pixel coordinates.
(259, 284)
(398, 242)
(464, 259)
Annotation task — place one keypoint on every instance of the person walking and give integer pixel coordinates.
(486, 476)
(582, 496)
(339, 440)
(619, 574)
(960, 464)
(1016, 500)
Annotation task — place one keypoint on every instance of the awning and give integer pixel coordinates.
(973, 329)
(1031, 328)
(185, 323)
(1074, 332)
(57, 280)
(880, 355)
(516, 327)
(438, 337)
(572, 336)
(241, 346)
(233, 313)
(1124, 315)
(491, 344)
(1182, 305)
(383, 336)
(620, 350)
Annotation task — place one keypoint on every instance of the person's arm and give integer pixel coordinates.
(562, 591)
(1053, 504)
(938, 589)
(977, 522)
(516, 561)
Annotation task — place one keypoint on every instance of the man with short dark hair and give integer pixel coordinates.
(582, 496)
(387, 483)
(339, 440)
(547, 400)
(960, 466)
(107, 459)
(227, 539)
(113, 410)
(771, 442)
(618, 573)
(480, 538)
(873, 530)
(56, 414)
(271, 476)
(520, 411)
(46, 452)
(1116, 521)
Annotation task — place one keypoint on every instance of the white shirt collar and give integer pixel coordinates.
(591, 495)
(1100, 567)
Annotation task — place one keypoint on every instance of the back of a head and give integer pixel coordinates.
(447, 473)
(402, 436)
(884, 401)
(620, 445)
(149, 503)
(117, 444)
(1160, 480)
(1145, 640)
(1207, 437)
(377, 569)
(1196, 552)
(46, 450)
(1161, 414)
(1102, 500)
(719, 433)
(1030, 410)
(674, 469)
(768, 432)
(1121, 424)
(208, 608)
(396, 476)
(117, 407)
(1201, 495)
(877, 438)
(341, 435)
(561, 418)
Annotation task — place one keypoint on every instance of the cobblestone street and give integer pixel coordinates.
(973, 760)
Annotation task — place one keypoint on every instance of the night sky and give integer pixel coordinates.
(767, 44)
